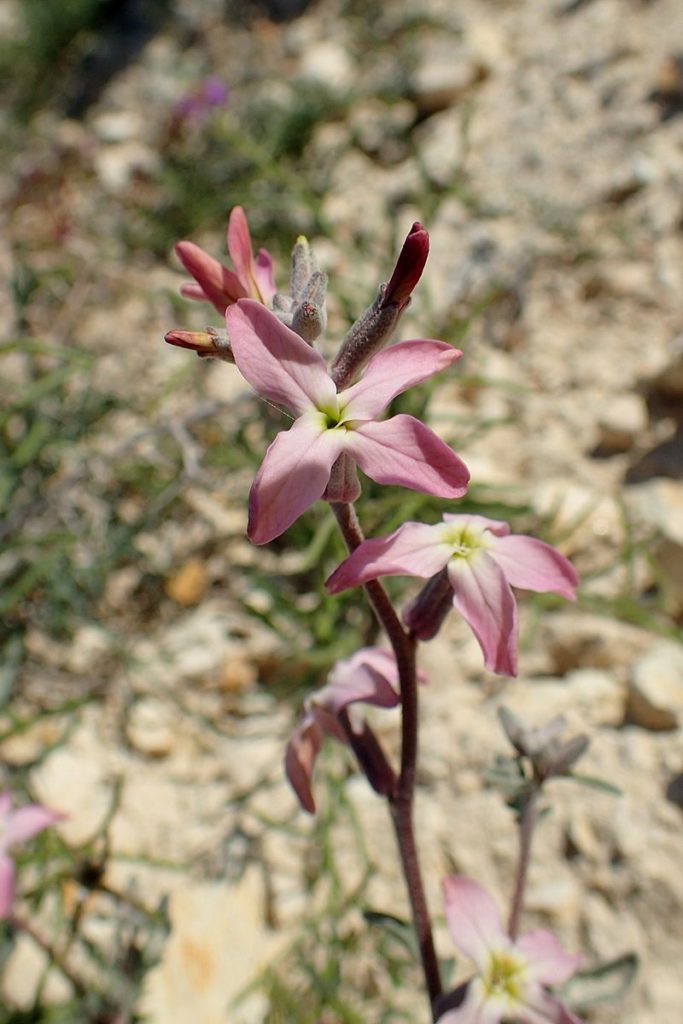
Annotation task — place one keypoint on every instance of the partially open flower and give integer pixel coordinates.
(370, 676)
(251, 278)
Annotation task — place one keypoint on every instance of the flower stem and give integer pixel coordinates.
(401, 800)
(527, 824)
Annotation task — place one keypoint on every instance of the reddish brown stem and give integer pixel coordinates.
(527, 825)
(401, 802)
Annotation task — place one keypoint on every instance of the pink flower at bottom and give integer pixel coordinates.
(483, 561)
(17, 827)
(512, 979)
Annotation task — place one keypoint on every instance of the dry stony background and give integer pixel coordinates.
(541, 141)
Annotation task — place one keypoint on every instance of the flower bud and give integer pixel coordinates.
(303, 265)
(211, 343)
(425, 614)
(344, 485)
(370, 756)
(308, 321)
(376, 325)
(409, 267)
(543, 745)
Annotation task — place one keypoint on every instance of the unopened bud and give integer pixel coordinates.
(543, 745)
(308, 321)
(343, 485)
(211, 343)
(369, 333)
(370, 756)
(409, 267)
(376, 325)
(425, 614)
(303, 265)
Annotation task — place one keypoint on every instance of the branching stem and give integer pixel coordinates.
(401, 801)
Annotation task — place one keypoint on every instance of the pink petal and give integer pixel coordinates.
(484, 599)
(401, 450)
(293, 474)
(263, 272)
(277, 363)
(540, 1007)
(240, 249)
(393, 371)
(533, 565)
(300, 757)
(6, 886)
(5, 803)
(219, 284)
(370, 676)
(191, 290)
(415, 549)
(27, 822)
(473, 919)
(471, 1013)
(495, 526)
(548, 962)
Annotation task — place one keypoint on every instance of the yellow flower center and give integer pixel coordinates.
(464, 539)
(504, 977)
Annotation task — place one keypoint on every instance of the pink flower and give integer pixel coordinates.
(215, 283)
(482, 561)
(370, 676)
(295, 472)
(16, 827)
(512, 975)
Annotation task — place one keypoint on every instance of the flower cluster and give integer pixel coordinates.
(470, 563)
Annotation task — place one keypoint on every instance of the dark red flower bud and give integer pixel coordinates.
(409, 267)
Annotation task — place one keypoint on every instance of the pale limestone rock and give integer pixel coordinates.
(655, 699)
(152, 727)
(441, 146)
(219, 942)
(622, 420)
(447, 71)
(328, 64)
(24, 971)
(77, 779)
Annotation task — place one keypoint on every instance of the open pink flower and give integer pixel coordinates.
(370, 676)
(16, 827)
(512, 975)
(283, 369)
(252, 277)
(482, 560)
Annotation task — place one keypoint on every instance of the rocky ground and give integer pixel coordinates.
(542, 145)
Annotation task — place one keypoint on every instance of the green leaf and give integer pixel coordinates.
(604, 983)
(400, 930)
(595, 783)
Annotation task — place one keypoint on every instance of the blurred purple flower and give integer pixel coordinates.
(198, 103)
